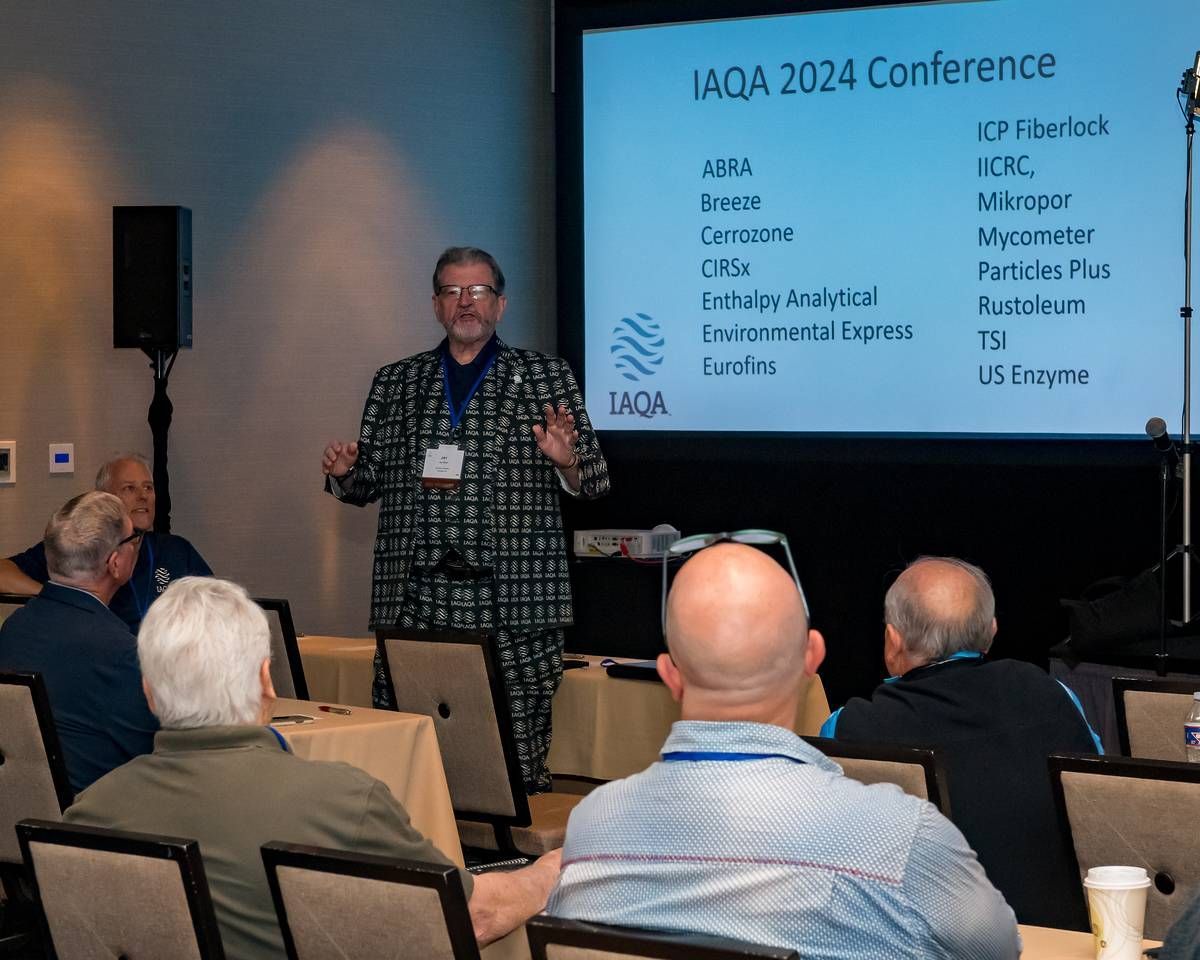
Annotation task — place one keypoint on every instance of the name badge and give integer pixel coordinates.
(443, 467)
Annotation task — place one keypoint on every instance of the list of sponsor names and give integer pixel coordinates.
(1038, 256)
(1038, 259)
(747, 320)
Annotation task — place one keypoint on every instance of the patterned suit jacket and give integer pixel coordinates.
(406, 412)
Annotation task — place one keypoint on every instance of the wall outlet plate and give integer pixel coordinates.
(8, 461)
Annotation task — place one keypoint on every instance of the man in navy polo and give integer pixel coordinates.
(161, 558)
(85, 654)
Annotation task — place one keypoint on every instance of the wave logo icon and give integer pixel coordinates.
(637, 346)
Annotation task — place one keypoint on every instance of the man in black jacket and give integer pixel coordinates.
(469, 448)
(994, 722)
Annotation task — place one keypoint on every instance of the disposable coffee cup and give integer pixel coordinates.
(1117, 906)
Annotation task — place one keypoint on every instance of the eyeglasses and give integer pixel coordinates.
(758, 538)
(478, 291)
(132, 538)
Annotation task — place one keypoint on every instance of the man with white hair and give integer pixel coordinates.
(85, 654)
(220, 775)
(994, 722)
(161, 557)
(744, 830)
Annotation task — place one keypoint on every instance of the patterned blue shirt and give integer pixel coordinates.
(745, 831)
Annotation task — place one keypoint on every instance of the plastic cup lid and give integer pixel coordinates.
(1117, 877)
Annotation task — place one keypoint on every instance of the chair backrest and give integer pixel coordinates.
(1134, 812)
(452, 677)
(551, 938)
(918, 771)
(107, 893)
(287, 669)
(1150, 715)
(336, 904)
(33, 776)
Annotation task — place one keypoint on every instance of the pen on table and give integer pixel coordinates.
(339, 710)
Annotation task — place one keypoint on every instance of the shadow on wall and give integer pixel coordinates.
(57, 183)
(308, 300)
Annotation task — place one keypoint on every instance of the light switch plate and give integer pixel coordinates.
(62, 458)
(8, 461)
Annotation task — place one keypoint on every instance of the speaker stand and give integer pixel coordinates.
(159, 418)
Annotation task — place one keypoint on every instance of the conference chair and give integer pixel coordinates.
(33, 783)
(108, 893)
(1134, 812)
(287, 669)
(551, 938)
(453, 677)
(1150, 715)
(336, 904)
(918, 771)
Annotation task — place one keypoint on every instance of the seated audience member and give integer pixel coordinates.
(163, 557)
(219, 775)
(85, 654)
(743, 830)
(994, 721)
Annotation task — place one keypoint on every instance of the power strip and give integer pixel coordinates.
(642, 544)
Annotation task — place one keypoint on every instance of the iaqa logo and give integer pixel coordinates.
(637, 352)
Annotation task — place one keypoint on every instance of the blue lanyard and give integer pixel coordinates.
(137, 600)
(678, 755)
(279, 736)
(457, 415)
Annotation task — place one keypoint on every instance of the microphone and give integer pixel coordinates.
(1156, 430)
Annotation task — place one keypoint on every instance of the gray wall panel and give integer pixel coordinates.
(328, 152)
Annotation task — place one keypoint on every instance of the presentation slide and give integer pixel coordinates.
(960, 218)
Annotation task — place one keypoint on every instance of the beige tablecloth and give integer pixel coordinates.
(604, 728)
(338, 669)
(1041, 943)
(1045, 943)
(401, 749)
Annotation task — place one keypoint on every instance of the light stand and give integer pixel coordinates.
(1191, 78)
(1189, 94)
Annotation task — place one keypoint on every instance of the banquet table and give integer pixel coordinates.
(401, 749)
(607, 727)
(604, 727)
(1040, 943)
(1046, 943)
(338, 669)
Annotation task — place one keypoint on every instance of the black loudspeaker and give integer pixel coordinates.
(152, 278)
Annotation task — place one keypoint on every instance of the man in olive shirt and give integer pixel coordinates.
(219, 775)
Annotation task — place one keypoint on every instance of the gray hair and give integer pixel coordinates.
(104, 474)
(929, 635)
(461, 256)
(82, 534)
(201, 648)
